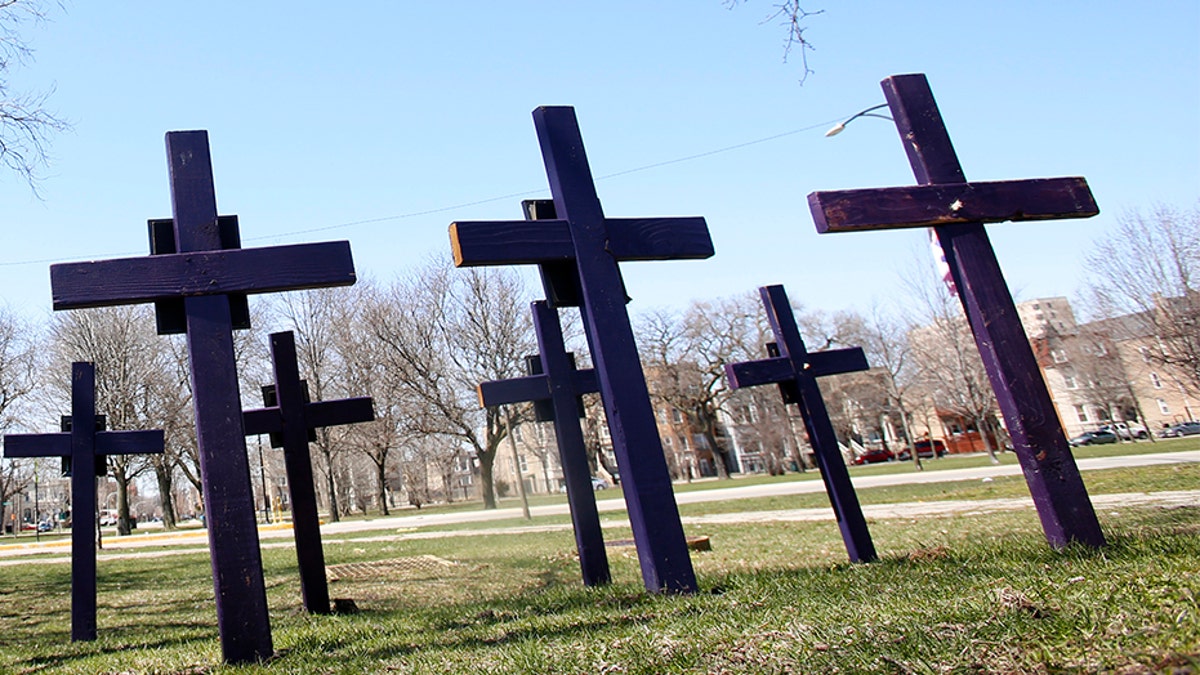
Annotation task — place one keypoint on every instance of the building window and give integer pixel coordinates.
(1069, 381)
(667, 441)
(522, 463)
(1081, 412)
(1163, 407)
(1060, 355)
(1145, 354)
(1154, 380)
(675, 416)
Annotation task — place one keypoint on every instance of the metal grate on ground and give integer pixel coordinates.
(393, 567)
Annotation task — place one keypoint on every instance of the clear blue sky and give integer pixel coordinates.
(322, 115)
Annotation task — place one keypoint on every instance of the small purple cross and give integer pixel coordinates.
(289, 417)
(796, 370)
(957, 211)
(204, 275)
(558, 383)
(581, 233)
(85, 446)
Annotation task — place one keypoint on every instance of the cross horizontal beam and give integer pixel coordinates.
(532, 388)
(107, 443)
(949, 204)
(506, 242)
(780, 369)
(123, 281)
(318, 414)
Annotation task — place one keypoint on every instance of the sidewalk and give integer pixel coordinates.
(874, 512)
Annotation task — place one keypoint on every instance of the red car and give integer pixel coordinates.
(873, 456)
(926, 449)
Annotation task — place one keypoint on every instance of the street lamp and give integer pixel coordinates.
(840, 127)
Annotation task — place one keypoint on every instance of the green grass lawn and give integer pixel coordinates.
(978, 594)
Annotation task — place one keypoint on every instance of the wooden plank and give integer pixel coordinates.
(341, 411)
(476, 243)
(930, 205)
(515, 390)
(24, 446)
(262, 421)
(754, 373)
(123, 281)
(834, 361)
(148, 442)
(686, 238)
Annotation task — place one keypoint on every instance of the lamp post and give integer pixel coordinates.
(841, 126)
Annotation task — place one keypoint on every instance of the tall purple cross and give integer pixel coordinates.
(85, 446)
(796, 370)
(204, 275)
(596, 244)
(957, 210)
(290, 419)
(560, 384)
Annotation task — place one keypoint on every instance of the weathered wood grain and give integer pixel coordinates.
(930, 205)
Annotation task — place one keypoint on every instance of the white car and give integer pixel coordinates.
(1127, 430)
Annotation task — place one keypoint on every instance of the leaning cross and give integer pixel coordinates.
(957, 211)
(86, 448)
(560, 384)
(796, 370)
(290, 418)
(203, 275)
(596, 244)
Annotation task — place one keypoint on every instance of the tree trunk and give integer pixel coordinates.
(981, 425)
(334, 513)
(166, 486)
(381, 484)
(124, 529)
(487, 484)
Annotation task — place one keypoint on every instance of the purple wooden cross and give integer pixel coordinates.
(290, 419)
(796, 370)
(203, 275)
(957, 211)
(560, 384)
(596, 244)
(85, 447)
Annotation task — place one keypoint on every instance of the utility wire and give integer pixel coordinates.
(463, 205)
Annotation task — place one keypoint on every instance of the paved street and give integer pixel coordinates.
(398, 527)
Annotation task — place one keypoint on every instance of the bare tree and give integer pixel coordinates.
(685, 357)
(25, 124)
(131, 368)
(17, 364)
(1147, 273)
(445, 331)
(949, 372)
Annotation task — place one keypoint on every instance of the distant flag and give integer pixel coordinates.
(939, 258)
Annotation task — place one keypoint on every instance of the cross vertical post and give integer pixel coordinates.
(290, 418)
(596, 244)
(561, 385)
(86, 447)
(957, 210)
(796, 370)
(204, 270)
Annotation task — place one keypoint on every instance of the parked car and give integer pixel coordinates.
(1126, 430)
(1181, 429)
(926, 449)
(599, 483)
(1099, 437)
(875, 455)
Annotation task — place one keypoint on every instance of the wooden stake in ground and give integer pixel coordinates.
(204, 275)
(796, 370)
(86, 446)
(596, 244)
(957, 210)
(290, 419)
